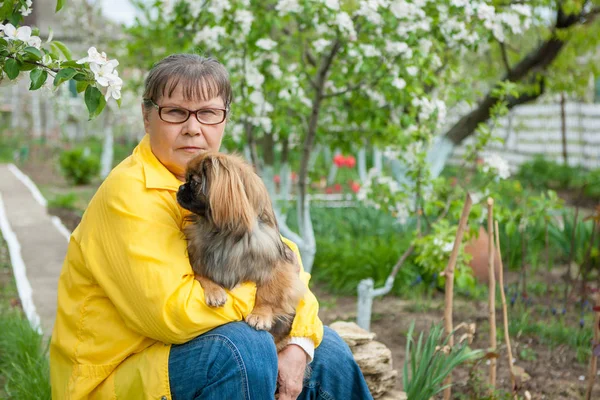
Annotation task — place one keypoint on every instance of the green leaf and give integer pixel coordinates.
(27, 66)
(94, 100)
(11, 67)
(119, 101)
(81, 86)
(70, 64)
(6, 10)
(64, 75)
(59, 5)
(38, 78)
(60, 46)
(80, 77)
(33, 53)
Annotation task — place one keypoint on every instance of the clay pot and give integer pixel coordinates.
(478, 249)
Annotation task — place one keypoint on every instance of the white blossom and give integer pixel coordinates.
(266, 43)
(397, 48)
(244, 18)
(399, 83)
(26, 9)
(253, 76)
(497, 164)
(287, 7)
(321, 44)
(369, 50)
(513, 21)
(425, 45)
(209, 36)
(524, 10)
(22, 33)
(401, 212)
(368, 9)
(275, 71)
(105, 74)
(332, 4)
(345, 24)
(412, 70)
(218, 8)
(284, 94)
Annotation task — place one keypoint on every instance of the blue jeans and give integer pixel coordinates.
(235, 361)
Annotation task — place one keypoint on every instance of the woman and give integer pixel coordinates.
(132, 322)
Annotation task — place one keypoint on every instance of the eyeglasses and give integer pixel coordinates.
(178, 115)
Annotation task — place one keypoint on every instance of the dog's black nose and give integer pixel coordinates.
(181, 187)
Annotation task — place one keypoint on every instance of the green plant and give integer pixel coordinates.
(552, 331)
(79, 166)
(356, 243)
(24, 370)
(67, 200)
(23, 358)
(528, 354)
(561, 234)
(428, 362)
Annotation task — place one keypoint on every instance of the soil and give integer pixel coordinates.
(555, 373)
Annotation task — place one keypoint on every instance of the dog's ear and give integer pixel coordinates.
(229, 204)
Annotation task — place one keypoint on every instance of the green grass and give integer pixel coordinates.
(552, 330)
(24, 368)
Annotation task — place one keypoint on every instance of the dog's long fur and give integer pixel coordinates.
(234, 238)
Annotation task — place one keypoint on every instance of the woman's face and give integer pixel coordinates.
(176, 144)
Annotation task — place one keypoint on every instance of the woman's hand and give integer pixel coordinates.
(291, 365)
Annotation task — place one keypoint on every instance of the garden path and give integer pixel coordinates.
(37, 244)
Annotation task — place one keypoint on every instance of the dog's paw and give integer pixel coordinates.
(259, 321)
(216, 297)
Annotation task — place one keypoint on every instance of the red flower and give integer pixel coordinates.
(350, 162)
(337, 188)
(277, 179)
(294, 177)
(355, 187)
(339, 160)
(329, 190)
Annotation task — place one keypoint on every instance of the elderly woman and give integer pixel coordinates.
(132, 322)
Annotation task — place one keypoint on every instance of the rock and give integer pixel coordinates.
(478, 249)
(352, 334)
(380, 384)
(394, 395)
(373, 358)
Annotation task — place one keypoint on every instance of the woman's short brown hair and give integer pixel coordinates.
(201, 78)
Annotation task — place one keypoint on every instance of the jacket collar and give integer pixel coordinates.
(157, 175)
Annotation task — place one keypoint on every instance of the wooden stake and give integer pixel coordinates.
(492, 293)
(449, 274)
(594, 359)
(513, 381)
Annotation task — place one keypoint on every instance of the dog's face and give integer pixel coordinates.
(224, 190)
(192, 195)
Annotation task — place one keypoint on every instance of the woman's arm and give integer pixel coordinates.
(136, 251)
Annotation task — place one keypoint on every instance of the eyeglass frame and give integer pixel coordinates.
(190, 112)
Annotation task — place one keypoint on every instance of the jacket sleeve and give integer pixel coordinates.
(307, 322)
(137, 253)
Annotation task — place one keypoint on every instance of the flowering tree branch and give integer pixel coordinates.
(537, 61)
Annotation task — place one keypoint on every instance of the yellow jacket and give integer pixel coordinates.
(127, 291)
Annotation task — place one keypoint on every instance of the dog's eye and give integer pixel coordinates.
(193, 183)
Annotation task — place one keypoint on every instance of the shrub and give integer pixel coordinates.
(79, 166)
(357, 243)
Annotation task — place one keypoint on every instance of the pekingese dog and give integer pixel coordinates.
(233, 238)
